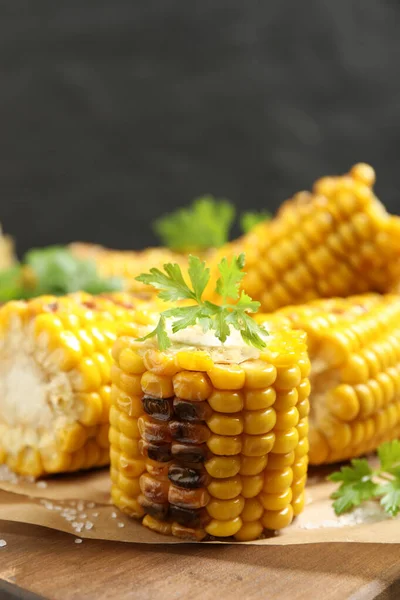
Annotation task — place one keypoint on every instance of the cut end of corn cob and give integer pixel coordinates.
(336, 241)
(354, 347)
(55, 361)
(204, 448)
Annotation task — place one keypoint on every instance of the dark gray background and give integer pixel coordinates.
(111, 112)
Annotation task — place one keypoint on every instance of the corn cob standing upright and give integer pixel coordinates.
(210, 436)
(55, 360)
(354, 347)
(336, 241)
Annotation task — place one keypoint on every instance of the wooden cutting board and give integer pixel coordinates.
(51, 565)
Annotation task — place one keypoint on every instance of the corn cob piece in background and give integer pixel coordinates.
(7, 252)
(336, 241)
(354, 347)
(55, 361)
(209, 434)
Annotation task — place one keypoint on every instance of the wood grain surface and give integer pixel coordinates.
(51, 565)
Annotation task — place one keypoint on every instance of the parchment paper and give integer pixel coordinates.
(80, 505)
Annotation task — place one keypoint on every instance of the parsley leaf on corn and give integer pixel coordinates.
(359, 482)
(205, 224)
(232, 312)
(248, 220)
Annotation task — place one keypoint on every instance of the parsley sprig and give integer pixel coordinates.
(359, 482)
(232, 312)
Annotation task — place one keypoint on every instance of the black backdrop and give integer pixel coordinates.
(111, 112)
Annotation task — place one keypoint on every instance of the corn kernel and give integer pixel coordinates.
(252, 510)
(227, 377)
(253, 465)
(158, 386)
(194, 360)
(223, 466)
(259, 399)
(276, 501)
(285, 441)
(226, 402)
(225, 489)
(226, 424)
(275, 520)
(259, 374)
(258, 445)
(279, 461)
(224, 528)
(160, 363)
(286, 400)
(192, 386)
(252, 486)
(130, 362)
(224, 446)
(224, 510)
(259, 422)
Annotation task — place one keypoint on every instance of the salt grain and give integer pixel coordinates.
(113, 515)
(95, 514)
(120, 524)
(91, 505)
(3, 543)
(88, 525)
(83, 516)
(78, 541)
(41, 484)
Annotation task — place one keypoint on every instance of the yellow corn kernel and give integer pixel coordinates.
(130, 384)
(258, 374)
(105, 395)
(55, 461)
(128, 446)
(224, 528)
(224, 446)
(318, 447)
(102, 436)
(253, 465)
(158, 386)
(259, 422)
(252, 510)
(303, 408)
(226, 424)
(252, 485)
(355, 370)
(224, 510)
(128, 426)
(342, 401)
(298, 504)
(298, 486)
(194, 360)
(279, 461)
(129, 506)
(304, 365)
(68, 351)
(287, 419)
(222, 467)
(285, 441)
(299, 468)
(227, 377)
(72, 437)
(226, 402)
(162, 527)
(90, 408)
(249, 531)
(366, 400)
(225, 489)
(257, 445)
(338, 435)
(288, 378)
(192, 386)
(276, 501)
(129, 485)
(160, 363)
(86, 377)
(275, 520)
(30, 462)
(303, 389)
(78, 460)
(278, 480)
(286, 400)
(302, 428)
(259, 399)
(130, 362)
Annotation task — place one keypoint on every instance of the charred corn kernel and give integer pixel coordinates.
(224, 446)
(225, 510)
(287, 419)
(286, 400)
(191, 499)
(223, 466)
(224, 528)
(277, 480)
(252, 485)
(258, 374)
(275, 520)
(276, 501)
(162, 527)
(225, 489)
(160, 363)
(253, 465)
(159, 386)
(257, 445)
(226, 402)
(252, 510)
(279, 461)
(188, 533)
(192, 386)
(194, 361)
(227, 377)
(259, 399)
(249, 531)
(285, 441)
(226, 424)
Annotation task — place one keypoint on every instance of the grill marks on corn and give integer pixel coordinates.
(58, 353)
(354, 347)
(225, 454)
(336, 241)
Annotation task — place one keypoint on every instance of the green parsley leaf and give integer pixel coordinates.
(160, 332)
(389, 455)
(231, 276)
(248, 220)
(205, 224)
(199, 276)
(184, 317)
(171, 284)
(390, 499)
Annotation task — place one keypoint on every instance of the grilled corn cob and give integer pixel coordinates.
(55, 361)
(127, 264)
(336, 241)
(206, 442)
(354, 347)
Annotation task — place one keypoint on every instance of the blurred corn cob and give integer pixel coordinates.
(127, 264)
(354, 347)
(202, 448)
(336, 241)
(55, 360)
(7, 253)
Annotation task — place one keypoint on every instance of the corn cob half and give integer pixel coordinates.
(55, 361)
(336, 241)
(207, 442)
(354, 347)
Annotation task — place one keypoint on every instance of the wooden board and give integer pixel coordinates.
(51, 565)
